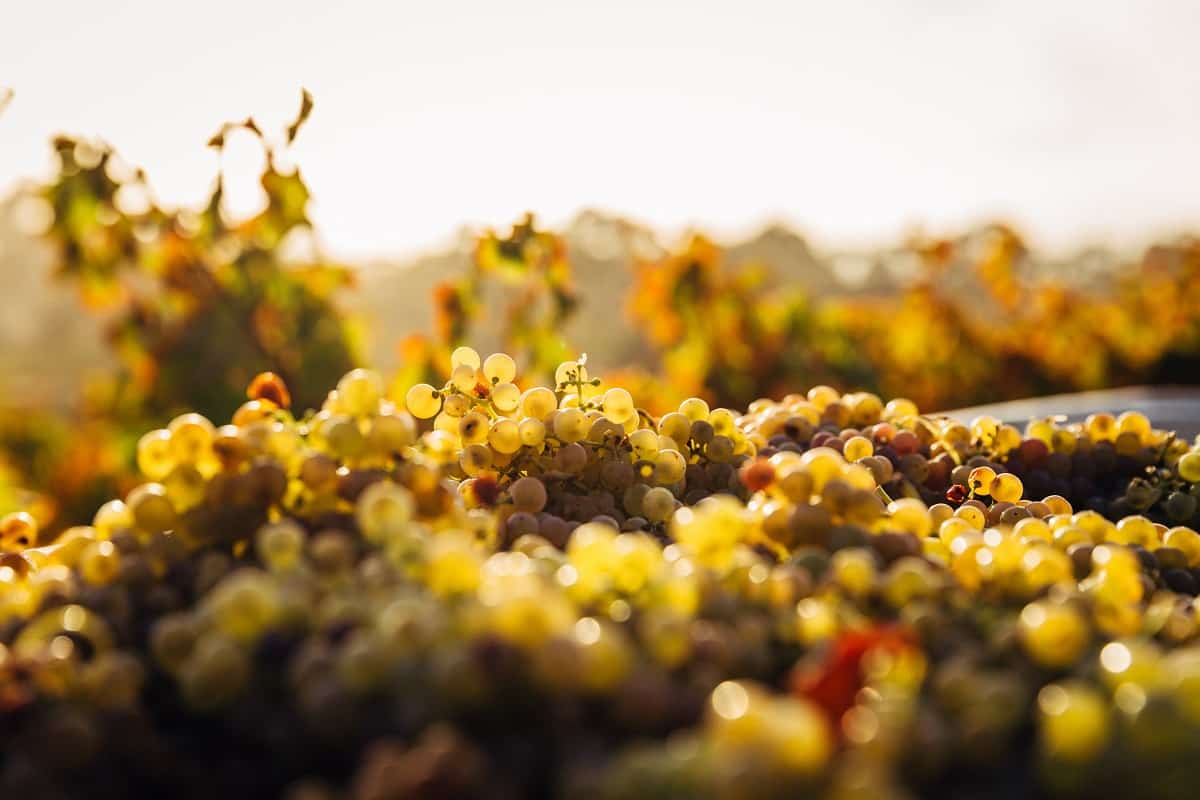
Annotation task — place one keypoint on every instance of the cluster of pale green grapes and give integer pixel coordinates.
(480, 590)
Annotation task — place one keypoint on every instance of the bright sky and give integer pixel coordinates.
(1078, 120)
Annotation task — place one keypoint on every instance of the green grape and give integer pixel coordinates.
(150, 508)
(899, 408)
(1006, 487)
(644, 443)
(669, 466)
(453, 564)
(658, 504)
(244, 605)
(822, 396)
(1053, 634)
(384, 511)
(391, 433)
(360, 391)
(99, 563)
(1185, 540)
(538, 403)
(475, 459)
(1101, 427)
(676, 426)
(1189, 467)
(618, 404)
(473, 428)
(343, 436)
(1073, 721)
(694, 409)
(444, 423)
(532, 432)
(506, 397)
(464, 355)
(192, 438)
(423, 401)
(280, 545)
(571, 425)
(154, 456)
(723, 421)
(854, 570)
(499, 368)
(504, 436)
(185, 487)
(910, 515)
(464, 378)
(857, 447)
(981, 479)
(110, 518)
(456, 405)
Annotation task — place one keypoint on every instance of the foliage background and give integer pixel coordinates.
(192, 304)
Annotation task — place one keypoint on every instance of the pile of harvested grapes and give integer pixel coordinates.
(499, 593)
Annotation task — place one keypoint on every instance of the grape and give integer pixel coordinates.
(528, 494)
(571, 425)
(1180, 506)
(538, 402)
(694, 409)
(572, 457)
(532, 432)
(464, 378)
(618, 404)
(1101, 427)
(99, 563)
(500, 368)
(423, 401)
(391, 433)
(1073, 721)
(191, 437)
(980, 480)
(150, 509)
(343, 436)
(475, 459)
(657, 504)
(504, 436)
(154, 454)
(1189, 467)
(1006, 487)
(280, 545)
(456, 405)
(1053, 634)
(473, 428)
(506, 397)
(360, 391)
(464, 356)
(858, 447)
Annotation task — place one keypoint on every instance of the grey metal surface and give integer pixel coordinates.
(1169, 407)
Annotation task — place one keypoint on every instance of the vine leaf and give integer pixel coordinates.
(306, 107)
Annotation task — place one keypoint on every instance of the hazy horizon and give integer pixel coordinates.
(848, 124)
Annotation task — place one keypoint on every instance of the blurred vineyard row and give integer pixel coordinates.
(194, 305)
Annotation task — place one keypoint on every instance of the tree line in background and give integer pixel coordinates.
(195, 305)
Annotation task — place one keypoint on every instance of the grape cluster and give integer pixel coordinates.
(484, 590)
